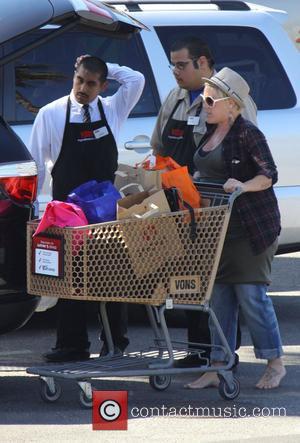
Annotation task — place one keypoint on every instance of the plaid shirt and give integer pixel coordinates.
(246, 154)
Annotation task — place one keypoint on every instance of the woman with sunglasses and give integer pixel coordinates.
(235, 153)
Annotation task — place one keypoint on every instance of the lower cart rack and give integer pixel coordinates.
(157, 363)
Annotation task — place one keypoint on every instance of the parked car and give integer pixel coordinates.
(18, 172)
(18, 184)
(290, 22)
(38, 68)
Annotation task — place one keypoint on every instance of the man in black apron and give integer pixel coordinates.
(178, 132)
(88, 152)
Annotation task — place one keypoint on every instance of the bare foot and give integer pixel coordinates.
(272, 377)
(207, 380)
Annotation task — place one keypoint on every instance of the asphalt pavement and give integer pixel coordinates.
(176, 414)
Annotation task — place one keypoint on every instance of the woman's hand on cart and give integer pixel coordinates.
(232, 185)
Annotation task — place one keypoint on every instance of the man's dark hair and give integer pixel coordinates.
(196, 48)
(93, 64)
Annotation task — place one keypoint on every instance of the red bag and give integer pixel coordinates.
(61, 214)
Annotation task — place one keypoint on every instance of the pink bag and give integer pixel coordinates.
(61, 214)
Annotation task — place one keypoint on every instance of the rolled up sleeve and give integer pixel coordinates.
(261, 155)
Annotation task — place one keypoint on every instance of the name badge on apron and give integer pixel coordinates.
(193, 120)
(101, 132)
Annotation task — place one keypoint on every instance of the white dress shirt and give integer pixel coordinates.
(48, 128)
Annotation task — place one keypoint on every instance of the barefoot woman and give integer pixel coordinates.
(236, 154)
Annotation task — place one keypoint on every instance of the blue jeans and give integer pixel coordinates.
(259, 315)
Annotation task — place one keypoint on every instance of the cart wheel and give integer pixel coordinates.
(160, 382)
(225, 392)
(46, 394)
(85, 401)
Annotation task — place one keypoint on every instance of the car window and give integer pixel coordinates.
(247, 51)
(12, 148)
(45, 73)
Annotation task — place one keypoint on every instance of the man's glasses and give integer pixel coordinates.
(210, 101)
(180, 66)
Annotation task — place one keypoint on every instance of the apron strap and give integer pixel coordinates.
(175, 108)
(198, 110)
(66, 121)
(101, 110)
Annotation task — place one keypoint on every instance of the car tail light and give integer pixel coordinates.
(5, 206)
(20, 190)
(18, 182)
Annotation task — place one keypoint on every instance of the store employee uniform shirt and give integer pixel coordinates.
(48, 129)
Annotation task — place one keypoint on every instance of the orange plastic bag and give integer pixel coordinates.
(179, 178)
(160, 163)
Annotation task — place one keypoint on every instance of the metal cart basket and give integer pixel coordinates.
(167, 261)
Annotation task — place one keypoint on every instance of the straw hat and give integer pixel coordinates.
(231, 83)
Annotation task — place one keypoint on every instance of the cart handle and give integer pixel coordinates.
(210, 187)
(236, 193)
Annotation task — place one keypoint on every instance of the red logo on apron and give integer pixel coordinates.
(86, 134)
(177, 132)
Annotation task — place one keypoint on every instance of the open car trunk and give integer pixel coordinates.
(20, 17)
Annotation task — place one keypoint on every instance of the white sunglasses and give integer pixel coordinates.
(210, 101)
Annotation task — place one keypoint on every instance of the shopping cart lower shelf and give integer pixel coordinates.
(164, 262)
(157, 363)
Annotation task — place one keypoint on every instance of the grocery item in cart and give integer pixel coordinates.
(157, 172)
(147, 173)
(142, 204)
(180, 179)
(127, 174)
(97, 200)
(61, 214)
(159, 163)
(150, 245)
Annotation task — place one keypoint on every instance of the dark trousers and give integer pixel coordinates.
(117, 314)
(198, 331)
(72, 324)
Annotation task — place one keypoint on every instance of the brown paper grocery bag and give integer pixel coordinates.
(151, 243)
(144, 204)
(126, 175)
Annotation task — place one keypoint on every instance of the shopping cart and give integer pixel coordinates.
(168, 261)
